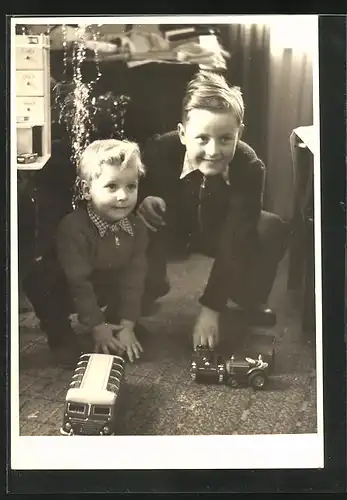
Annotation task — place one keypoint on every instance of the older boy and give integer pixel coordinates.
(203, 192)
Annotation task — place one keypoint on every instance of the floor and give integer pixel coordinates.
(159, 396)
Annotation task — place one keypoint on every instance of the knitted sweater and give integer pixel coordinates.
(85, 256)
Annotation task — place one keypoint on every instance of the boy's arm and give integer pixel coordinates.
(132, 278)
(237, 234)
(72, 249)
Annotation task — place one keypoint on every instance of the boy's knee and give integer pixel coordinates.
(272, 225)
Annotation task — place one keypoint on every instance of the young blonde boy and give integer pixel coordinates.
(101, 249)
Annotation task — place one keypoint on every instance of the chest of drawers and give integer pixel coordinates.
(32, 100)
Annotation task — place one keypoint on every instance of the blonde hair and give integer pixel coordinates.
(111, 152)
(211, 91)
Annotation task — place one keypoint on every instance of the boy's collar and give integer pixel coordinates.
(188, 168)
(104, 226)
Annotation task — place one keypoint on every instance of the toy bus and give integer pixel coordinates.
(207, 366)
(93, 395)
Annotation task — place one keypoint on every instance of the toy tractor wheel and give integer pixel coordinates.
(257, 380)
(232, 382)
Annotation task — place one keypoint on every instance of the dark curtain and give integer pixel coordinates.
(275, 75)
(291, 106)
(248, 68)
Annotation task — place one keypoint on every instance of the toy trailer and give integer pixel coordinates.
(207, 367)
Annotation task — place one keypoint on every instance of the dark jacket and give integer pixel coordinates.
(231, 213)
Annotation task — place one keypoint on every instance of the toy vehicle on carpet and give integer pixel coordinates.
(207, 366)
(93, 396)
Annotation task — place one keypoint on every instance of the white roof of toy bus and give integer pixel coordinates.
(88, 396)
(93, 388)
(97, 372)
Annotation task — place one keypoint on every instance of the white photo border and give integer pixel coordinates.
(293, 451)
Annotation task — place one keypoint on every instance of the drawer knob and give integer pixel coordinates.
(27, 57)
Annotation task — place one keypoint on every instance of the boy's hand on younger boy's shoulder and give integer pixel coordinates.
(130, 343)
(151, 212)
(104, 339)
(206, 330)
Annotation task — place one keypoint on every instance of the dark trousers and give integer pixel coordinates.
(47, 289)
(259, 269)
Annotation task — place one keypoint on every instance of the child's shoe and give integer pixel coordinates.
(254, 316)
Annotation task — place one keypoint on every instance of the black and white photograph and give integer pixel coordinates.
(166, 243)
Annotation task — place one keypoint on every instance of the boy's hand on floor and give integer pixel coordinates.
(104, 339)
(151, 212)
(130, 343)
(206, 330)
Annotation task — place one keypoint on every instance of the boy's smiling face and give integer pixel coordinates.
(114, 193)
(210, 138)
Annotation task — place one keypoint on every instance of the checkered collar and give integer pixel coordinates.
(103, 226)
(188, 168)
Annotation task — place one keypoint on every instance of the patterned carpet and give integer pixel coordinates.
(159, 396)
